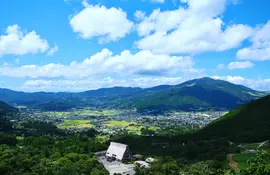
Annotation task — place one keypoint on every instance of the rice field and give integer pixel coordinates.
(119, 124)
(75, 124)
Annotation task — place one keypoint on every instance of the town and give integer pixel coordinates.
(109, 122)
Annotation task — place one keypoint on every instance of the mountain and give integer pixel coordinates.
(24, 98)
(5, 108)
(198, 94)
(204, 93)
(250, 122)
(53, 106)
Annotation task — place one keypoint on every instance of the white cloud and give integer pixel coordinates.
(17, 42)
(104, 62)
(96, 83)
(52, 50)
(158, 1)
(5, 64)
(258, 84)
(240, 65)
(197, 28)
(108, 24)
(17, 60)
(260, 48)
(220, 67)
(139, 15)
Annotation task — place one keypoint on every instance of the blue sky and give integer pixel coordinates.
(76, 45)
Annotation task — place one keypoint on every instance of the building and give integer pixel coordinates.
(119, 152)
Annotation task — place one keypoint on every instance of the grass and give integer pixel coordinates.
(97, 113)
(179, 113)
(136, 129)
(242, 159)
(154, 128)
(119, 124)
(103, 138)
(51, 114)
(85, 112)
(75, 124)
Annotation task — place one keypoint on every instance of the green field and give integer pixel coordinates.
(136, 129)
(51, 114)
(179, 113)
(119, 124)
(96, 112)
(242, 159)
(75, 124)
(85, 112)
(154, 128)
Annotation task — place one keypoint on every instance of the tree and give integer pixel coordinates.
(258, 165)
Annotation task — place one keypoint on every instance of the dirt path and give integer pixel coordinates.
(233, 164)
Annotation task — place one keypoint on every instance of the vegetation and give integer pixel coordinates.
(119, 124)
(199, 94)
(242, 159)
(48, 155)
(53, 106)
(5, 109)
(41, 148)
(249, 123)
(75, 124)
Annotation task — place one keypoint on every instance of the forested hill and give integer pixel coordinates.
(198, 94)
(204, 93)
(250, 122)
(5, 108)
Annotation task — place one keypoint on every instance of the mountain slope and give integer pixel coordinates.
(198, 94)
(250, 122)
(5, 108)
(204, 93)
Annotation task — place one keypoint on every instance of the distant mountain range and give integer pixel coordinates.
(248, 123)
(198, 94)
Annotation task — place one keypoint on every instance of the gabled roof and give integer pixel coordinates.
(116, 150)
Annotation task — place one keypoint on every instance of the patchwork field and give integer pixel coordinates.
(96, 112)
(75, 124)
(119, 124)
(85, 112)
(56, 113)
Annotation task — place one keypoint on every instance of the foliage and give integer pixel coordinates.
(48, 155)
(249, 123)
(259, 165)
(199, 94)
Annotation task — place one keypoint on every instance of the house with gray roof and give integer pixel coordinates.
(119, 152)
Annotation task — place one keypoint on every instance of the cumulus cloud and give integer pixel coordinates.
(108, 24)
(96, 83)
(157, 1)
(197, 28)
(52, 50)
(258, 84)
(260, 48)
(139, 15)
(17, 42)
(220, 67)
(104, 62)
(240, 65)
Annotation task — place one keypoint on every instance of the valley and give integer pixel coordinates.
(192, 140)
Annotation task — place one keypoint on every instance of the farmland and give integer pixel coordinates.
(75, 124)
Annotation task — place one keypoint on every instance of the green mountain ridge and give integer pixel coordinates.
(198, 94)
(203, 93)
(6, 108)
(250, 122)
